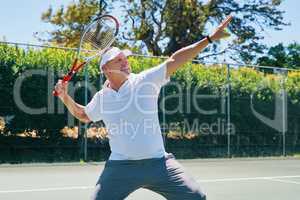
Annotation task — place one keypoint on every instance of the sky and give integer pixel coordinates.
(20, 19)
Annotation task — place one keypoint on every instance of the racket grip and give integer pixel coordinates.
(65, 80)
(54, 93)
(68, 77)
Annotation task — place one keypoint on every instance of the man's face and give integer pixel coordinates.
(118, 65)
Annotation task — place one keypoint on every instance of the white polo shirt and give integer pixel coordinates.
(131, 115)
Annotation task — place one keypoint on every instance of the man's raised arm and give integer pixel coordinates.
(186, 54)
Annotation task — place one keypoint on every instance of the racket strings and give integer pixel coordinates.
(99, 42)
(99, 36)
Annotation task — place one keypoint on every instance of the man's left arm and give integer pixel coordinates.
(186, 54)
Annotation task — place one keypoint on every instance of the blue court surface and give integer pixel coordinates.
(234, 179)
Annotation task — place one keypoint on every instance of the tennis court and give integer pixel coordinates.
(259, 179)
(222, 87)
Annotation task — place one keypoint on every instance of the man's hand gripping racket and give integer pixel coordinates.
(97, 37)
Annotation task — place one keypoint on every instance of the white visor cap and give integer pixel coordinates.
(111, 54)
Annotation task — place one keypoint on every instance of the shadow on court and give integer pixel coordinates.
(234, 179)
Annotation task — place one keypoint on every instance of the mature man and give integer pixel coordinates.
(128, 106)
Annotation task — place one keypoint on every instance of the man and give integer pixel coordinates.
(128, 106)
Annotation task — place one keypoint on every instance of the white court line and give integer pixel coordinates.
(246, 179)
(272, 178)
(285, 181)
(48, 189)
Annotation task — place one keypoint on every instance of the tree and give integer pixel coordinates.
(281, 56)
(167, 25)
(70, 21)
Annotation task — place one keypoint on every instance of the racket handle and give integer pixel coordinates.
(54, 93)
(68, 77)
(65, 80)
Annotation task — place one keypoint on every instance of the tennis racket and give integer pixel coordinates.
(96, 38)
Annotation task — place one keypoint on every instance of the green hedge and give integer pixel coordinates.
(245, 81)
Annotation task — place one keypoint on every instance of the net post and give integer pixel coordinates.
(163, 118)
(85, 103)
(284, 111)
(228, 110)
(282, 73)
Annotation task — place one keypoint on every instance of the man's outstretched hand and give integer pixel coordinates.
(185, 54)
(220, 32)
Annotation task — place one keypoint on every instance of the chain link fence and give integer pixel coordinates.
(247, 111)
